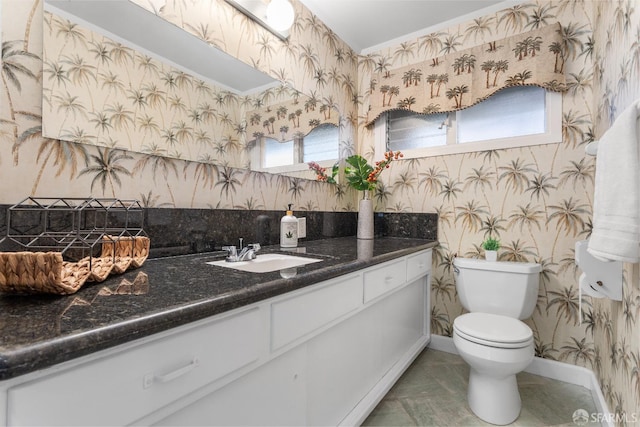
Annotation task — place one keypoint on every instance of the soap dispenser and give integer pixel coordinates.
(289, 230)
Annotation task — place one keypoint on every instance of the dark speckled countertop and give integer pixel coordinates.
(40, 331)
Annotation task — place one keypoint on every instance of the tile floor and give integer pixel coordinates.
(432, 392)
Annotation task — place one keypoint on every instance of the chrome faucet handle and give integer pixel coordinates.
(254, 246)
(231, 251)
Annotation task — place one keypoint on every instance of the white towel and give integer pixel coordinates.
(616, 204)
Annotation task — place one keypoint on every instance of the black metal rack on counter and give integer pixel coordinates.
(64, 242)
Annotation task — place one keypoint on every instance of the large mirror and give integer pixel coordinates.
(118, 75)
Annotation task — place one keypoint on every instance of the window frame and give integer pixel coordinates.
(552, 135)
(257, 157)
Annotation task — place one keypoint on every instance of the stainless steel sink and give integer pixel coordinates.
(265, 263)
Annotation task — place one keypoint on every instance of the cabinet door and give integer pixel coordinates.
(343, 365)
(272, 395)
(348, 360)
(304, 313)
(401, 321)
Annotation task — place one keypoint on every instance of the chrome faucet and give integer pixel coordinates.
(247, 253)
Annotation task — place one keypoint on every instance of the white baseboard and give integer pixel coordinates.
(442, 343)
(553, 369)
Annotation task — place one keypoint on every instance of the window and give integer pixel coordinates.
(277, 153)
(408, 131)
(513, 117)
(320, 145)
(509, 113)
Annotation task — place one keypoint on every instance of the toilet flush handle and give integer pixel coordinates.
(456, 270)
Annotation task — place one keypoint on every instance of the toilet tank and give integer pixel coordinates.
(506, 288)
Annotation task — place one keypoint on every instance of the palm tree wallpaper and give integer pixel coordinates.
(537, 200)
(98, 91)
(107, 94)
(150, 131)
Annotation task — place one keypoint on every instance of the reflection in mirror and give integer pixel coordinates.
(101, 88)
(286, 135)
(320, 145)
(122, 20)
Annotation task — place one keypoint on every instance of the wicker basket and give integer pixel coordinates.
(47, 272)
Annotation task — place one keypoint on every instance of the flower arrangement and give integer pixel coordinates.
(362, 176)
(359, 173)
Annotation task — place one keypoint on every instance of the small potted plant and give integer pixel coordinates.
(491, 246)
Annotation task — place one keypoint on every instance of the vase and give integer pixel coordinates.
(491, 255)
(365, 249)
(365, 219)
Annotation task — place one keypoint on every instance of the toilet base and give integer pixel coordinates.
(501, 405)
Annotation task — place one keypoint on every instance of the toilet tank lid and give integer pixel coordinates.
(508, 266)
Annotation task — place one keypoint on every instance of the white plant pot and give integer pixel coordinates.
(491, 255)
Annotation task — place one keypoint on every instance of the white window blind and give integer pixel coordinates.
(277, 153)
(321, 144)
(509, 113)
(408, 130)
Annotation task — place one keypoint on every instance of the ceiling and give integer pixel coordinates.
(367, 25)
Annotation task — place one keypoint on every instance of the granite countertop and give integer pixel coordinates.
(40, 331)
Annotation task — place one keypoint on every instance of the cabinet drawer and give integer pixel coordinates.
(119, 389)
(301, 314)
(383, 279)
(418, 265)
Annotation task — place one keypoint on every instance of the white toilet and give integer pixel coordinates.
(491, 338)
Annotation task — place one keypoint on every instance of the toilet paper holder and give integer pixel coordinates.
(600, 278)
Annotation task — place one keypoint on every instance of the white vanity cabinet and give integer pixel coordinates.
(322, 355)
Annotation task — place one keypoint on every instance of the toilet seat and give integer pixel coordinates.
(493, 330)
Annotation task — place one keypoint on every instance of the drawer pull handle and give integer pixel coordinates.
(388, 279)
(150, 379)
